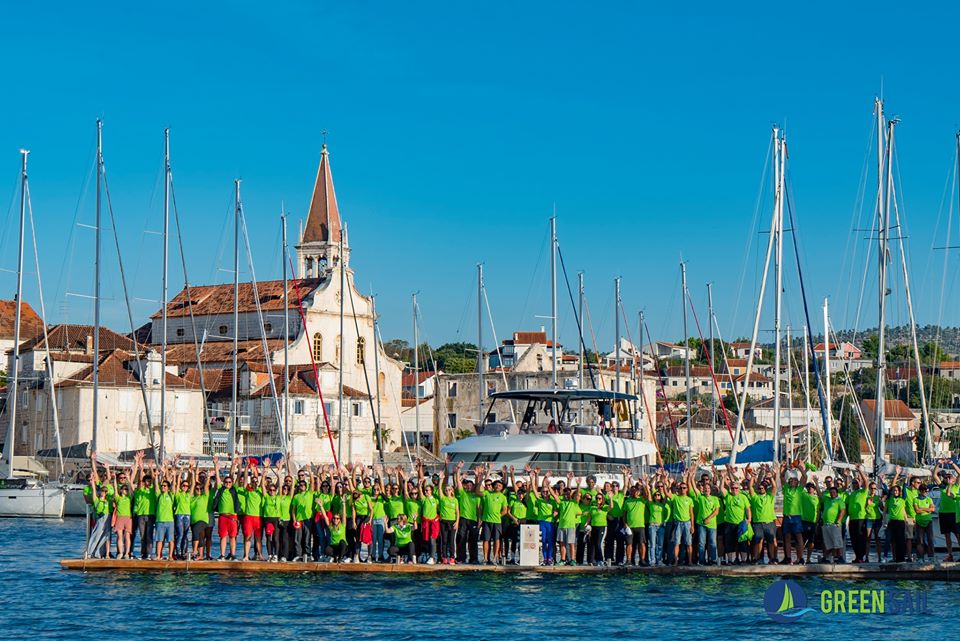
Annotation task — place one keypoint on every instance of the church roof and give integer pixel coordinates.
(218, 299)
(323, 218)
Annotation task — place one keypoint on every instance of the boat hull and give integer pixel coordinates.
(37, 502)
(74, 504)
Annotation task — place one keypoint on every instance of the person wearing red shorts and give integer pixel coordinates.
(251, 510)
(226, 501)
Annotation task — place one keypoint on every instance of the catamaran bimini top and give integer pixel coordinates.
(559, 411)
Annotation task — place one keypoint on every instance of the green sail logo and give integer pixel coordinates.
(785, 602)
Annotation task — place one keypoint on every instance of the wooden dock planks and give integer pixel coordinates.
(923, 572)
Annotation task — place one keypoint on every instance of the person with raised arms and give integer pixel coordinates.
(183, 491)
(429, 518)
(449, 521)
(856, 504)
(378, 520)
(764, 518)
(896, 506)
(924, 508)
(272, 510)
(100, 540)
(793, 490)
(516, 516)
(163, 526)
(949, 492)
(336, 524)
(706, 508)
(468, 534)
(123, 510)
(493, 507)
(226, 502)
(657, 514)
(144, 505)
(199, 513)
(301, 514)
(683, 518)
(568, 511)
(738, 515)
(635, 520)
(544, 509)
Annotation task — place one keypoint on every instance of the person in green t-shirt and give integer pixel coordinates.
(569, 510)
(615, 542)
(99, 541)
(738, 514)
(657, 515)
(896, 506)
(469, 533)
(301, 517)
(493, 507)
(402, 532)
(144, 506)
(163, 527)
(181, 516)
(251, 513)
(123, 506)
(924, 509)
(429, 520)
(874, 520)
(228, 504)
(793, 525)
(449, 508)
(635, 520)
(516, 516)
(199, 514)
(542, 507)
(949, 493)
(761, 497)
(856, 504)
(337, 527)
(682, 519)
(597, 519)
(834, 511)
(706, 508)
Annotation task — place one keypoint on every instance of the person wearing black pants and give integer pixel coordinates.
(144, 527)
(448, 540)
(468, 536)
(858, 538)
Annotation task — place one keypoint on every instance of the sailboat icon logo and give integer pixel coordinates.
(785, 601)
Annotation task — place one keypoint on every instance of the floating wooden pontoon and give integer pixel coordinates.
(911, 571)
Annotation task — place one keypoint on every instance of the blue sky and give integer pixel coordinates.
(454, 130)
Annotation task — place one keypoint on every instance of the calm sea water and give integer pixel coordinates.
(41, 601)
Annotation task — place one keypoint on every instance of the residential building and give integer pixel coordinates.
(742, 350)
(31, 326)
(529, 352)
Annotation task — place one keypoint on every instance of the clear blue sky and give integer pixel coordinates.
(453, 131)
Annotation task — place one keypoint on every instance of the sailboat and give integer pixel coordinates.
(23, 496)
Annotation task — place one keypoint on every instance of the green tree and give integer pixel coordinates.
(871, 346)
(457, 358)
(849, 430)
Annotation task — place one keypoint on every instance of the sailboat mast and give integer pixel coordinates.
(686, 361)
(376, 367)
(96, 293)
(640, 389)
(480, 386)
(553, 295)
(616, 316)
(232, 434)
(789, 396)
(416, 371)
(286, 333)
(343, 294)
(883, 223)
(806, 388)
(828, 428)
(580, 316)
(713, 401)
(164, 293)
(778, 275)
(8, 448)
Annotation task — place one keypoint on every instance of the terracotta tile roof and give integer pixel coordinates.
(30, 324)
(323, 218)
(529, 338)
(949, 364)
(218, 299)
(741, 345)
(221, 352)
(215, 379)
(754, 378)
(896, 409)
(736, 362)
(353, 392)
(698, 371)
(112, 373)
(412, 402)
(408, 378)
(74, 338)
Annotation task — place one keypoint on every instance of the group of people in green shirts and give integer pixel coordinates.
(365, 513)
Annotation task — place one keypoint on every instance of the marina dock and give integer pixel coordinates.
(868, 571)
